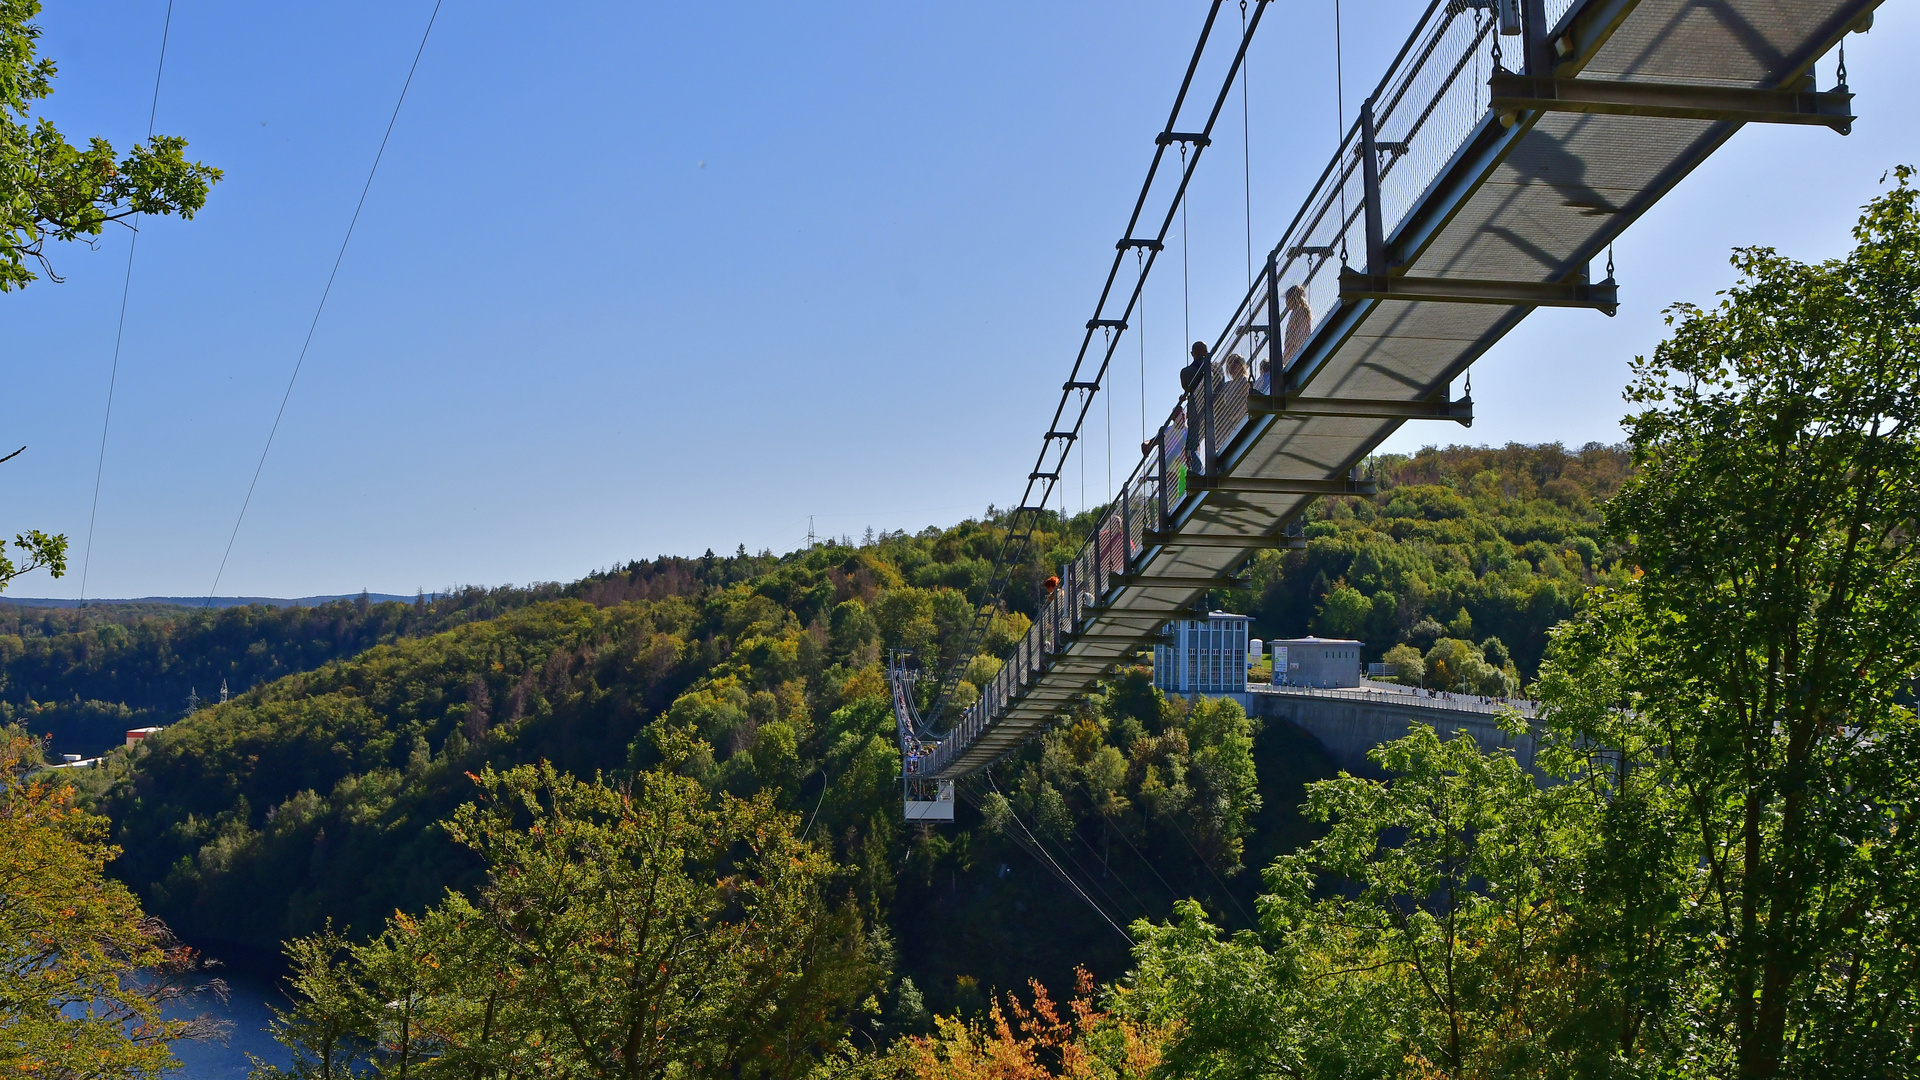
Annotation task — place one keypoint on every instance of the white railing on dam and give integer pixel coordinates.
(1391, 694)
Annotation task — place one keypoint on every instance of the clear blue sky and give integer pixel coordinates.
(643, 279)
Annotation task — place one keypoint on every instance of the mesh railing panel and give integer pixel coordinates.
(1430, 111)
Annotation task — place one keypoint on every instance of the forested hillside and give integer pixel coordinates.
(316, 795)
(1473, 543)
(85, 675)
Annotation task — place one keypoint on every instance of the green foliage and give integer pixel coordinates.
(323, 794)
(89, 985)
(1757, 679)
(1462, 542)
(1425, 933)
(646, 930)
(50, 189)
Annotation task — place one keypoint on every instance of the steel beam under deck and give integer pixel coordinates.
(1732, 104)
(1460, 411)
(1240, 541)
(1602, 296)
(1276, 485)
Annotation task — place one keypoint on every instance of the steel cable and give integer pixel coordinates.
(1063, 875)
(120, 331)
(322, 306)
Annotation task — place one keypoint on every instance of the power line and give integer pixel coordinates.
(322, 306)
(120, 331)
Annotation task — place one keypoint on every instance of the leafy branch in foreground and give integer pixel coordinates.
(41, 551)
(53, 190)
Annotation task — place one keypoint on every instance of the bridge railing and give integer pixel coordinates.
(1426, 108)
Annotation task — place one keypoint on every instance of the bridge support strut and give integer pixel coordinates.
(1602, 296)
(1740, 105)
(1460, 411)
(1265, 485)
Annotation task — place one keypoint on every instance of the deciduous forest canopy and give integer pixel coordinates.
(317, 791)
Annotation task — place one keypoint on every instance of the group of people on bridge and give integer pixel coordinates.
(1181, 454)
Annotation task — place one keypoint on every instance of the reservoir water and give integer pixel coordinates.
(248, 1009)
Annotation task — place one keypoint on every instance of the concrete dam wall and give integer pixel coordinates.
(1348, 723)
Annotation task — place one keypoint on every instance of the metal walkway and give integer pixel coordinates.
(1464, 196)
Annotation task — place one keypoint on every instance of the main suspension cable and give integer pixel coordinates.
(120, 331)
(1022, 520)
(322, 306)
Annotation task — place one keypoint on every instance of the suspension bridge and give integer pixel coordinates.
(1507, 145)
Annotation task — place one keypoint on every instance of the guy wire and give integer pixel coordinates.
(1074, 885)
(324, 293)
(120, 331)
(1340, 126)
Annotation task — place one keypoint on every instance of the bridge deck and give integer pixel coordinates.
(1462, 195)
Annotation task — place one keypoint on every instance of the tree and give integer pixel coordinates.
(1021, 1041)
(1755, 679)
(645, 931)
(84, 974)
(50, 189)
(1423, 935)
(1344, 612)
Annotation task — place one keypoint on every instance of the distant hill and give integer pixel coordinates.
(206, 602)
